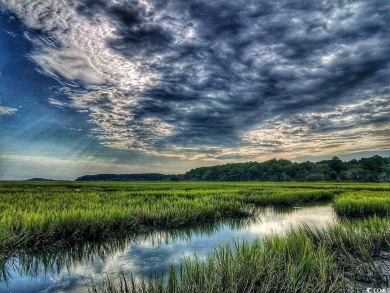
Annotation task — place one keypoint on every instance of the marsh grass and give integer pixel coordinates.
(339, 258)
(363, 203)
(40, 215)
(290, 264)
(357, 245)
(36, 216)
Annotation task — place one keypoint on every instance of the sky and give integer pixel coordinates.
(116, 86)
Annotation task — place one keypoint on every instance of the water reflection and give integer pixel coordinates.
(148, 254)
(32, 265)
(280, 220)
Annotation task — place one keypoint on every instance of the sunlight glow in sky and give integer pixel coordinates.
(100, 86)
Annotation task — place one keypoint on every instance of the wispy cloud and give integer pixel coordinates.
(7, 110)
(58, 103)
(219, 80)
(12, 34)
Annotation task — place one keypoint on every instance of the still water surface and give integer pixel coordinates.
(146, 255)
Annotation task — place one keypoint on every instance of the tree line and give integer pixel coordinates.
(373, 169)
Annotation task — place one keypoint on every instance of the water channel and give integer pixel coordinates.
(147, 255)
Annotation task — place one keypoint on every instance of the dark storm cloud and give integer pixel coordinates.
(217, 70)
(135, 33)
(263, 59)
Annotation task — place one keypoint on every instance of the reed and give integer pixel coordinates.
(363, 203)
(333, 259)
(40, 215)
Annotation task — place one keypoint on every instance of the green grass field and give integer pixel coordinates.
(43, 216)
(363, 203)
(37, 215)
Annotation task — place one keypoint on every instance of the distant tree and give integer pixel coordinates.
(336, 165)
(373, 164)
(315, 177)
(235, 173)
(374, 169)
(253, 172)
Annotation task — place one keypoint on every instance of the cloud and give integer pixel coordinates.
(57, 103)
(352, 128)
(7, 110)
(12, 34)
(220, 79)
